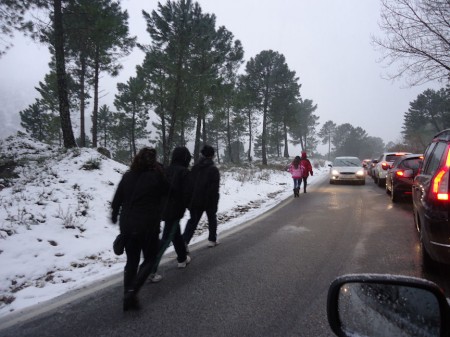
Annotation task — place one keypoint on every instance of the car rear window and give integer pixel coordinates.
(391, 157)
(434, 159)
(411, 163)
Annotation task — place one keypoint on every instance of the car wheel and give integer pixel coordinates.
(387, 188)
(394, 195)
(428, 264)
(380, 182)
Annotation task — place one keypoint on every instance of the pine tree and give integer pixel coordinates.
(132, 100)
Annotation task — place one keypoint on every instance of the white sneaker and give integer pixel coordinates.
(185, 262)
(212, 243)
(155, 278)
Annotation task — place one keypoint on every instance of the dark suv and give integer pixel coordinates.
(430, 194)
(400, 175)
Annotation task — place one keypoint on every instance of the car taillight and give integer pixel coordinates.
(400, 173)
(441, 180)
(384, 165)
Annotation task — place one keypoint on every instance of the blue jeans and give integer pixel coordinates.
(297, 182)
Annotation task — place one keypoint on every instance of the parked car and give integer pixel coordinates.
(371, 166)
(400, 176)
(366, 163)
(384, 162)
(347, 169)
(431, 204)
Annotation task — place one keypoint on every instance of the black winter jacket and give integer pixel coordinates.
(204, 183)
(175, 202)
(138, 199)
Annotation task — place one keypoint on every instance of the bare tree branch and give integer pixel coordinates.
(417, 39)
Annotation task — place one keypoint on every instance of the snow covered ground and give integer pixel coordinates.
(55, 232)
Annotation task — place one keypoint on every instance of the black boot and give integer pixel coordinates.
(130, 301)
(295, 192)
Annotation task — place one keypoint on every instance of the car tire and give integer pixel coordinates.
(394, 195)
(380, 182)
(428, 264)
(387, 189)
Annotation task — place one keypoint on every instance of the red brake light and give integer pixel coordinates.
(400, 173)
(384, 165)
(440, 181)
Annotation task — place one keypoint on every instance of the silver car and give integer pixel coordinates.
(347, 169)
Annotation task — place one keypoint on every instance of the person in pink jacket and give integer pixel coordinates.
(296, 171)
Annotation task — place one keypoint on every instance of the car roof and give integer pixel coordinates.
(347, 157)
(407, 156)
(443, 135)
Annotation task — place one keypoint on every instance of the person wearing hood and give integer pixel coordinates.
(306, 168)
(175, 204)
(204, 182)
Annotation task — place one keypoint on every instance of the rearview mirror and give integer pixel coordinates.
(384, 305)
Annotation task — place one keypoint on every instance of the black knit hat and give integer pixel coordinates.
(207, 151)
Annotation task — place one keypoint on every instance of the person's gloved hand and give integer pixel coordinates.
(312, 174)
(114, 218)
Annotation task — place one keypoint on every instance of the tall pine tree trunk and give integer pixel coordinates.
(198, 129)
(250, 135)
(230, 152)
(82, 100)
(63, 95)
(264, 131)
(286, 147)
(174, 112)
(95, 109)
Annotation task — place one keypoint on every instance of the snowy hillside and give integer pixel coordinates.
(55, 232)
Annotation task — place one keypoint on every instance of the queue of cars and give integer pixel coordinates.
(425, 179)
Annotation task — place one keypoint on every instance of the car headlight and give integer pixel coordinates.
(335, 172)
(360, 173)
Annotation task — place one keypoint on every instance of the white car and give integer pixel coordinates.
(384, 163)
(347, 169)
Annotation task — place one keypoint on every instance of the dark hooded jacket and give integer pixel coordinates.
(204, 183)
(138, 199)
(175, 203)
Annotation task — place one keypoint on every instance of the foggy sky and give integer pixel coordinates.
(327, 43)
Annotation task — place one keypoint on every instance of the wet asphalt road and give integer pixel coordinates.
(270, 277)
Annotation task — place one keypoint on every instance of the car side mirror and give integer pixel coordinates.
(385, 305)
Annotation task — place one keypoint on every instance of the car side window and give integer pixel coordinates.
(433, 157)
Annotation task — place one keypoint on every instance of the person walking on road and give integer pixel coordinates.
(296, 171)
(307, 170)
(175, 204)
(138, 201)
(204, 182)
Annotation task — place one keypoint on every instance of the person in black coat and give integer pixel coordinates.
(138, 201)
(204, 182)
(175, 203)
